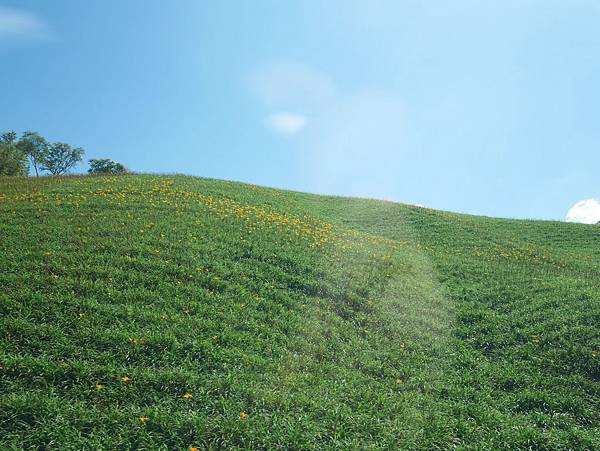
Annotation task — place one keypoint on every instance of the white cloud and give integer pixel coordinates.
(585, 211)
(286, 123)
(20, 24)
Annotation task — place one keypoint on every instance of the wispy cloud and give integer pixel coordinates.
(290, 86)
(585, 211)
(356, 146)
(19, 24)
(353, 143)
(291, 92)
(286, 123)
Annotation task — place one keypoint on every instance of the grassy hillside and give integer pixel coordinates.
(146, 312)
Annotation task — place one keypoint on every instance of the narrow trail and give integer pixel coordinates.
(404, 345)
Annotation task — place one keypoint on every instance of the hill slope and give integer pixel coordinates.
(169, 312)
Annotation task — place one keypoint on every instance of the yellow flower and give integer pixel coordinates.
(398, 381)
(243, 415)
(125, 379)
(143, 419)
(594, 354)
(193, 448)
(187, 396)
(81, 314)
(99, 387)
(215, 337)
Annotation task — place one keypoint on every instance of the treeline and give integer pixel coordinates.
(33, 151)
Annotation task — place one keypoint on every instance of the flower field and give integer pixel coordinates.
(173, 312)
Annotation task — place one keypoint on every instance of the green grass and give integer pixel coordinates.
(294, 321)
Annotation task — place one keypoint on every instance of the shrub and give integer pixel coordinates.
(106, 166)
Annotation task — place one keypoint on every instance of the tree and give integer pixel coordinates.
(106, 166)
(61, 157)
(36, 148)
(12, 160)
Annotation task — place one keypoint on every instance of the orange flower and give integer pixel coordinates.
(187, 396)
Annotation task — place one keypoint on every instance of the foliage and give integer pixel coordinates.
(105, 166)
(12, 160)
(36, 148)
(9, 138)
(56, 158)
(149, 312)
(61, 157)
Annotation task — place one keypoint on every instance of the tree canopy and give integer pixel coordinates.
(61, 157)
(32, 149)
(13, 161)
(36, 148)
(16, 155)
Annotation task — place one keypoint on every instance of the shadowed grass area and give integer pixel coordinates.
(169, 312)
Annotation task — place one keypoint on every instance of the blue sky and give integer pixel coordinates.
(472, 106)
